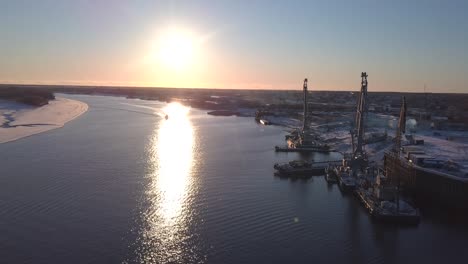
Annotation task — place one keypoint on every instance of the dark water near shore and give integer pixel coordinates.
(122, 184)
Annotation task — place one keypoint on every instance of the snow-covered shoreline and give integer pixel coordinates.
(18, 121)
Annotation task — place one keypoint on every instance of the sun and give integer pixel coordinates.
(176, 49)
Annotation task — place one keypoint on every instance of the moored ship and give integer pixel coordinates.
(383, 198)
(298, 168)
(390, 210)
(330, 175)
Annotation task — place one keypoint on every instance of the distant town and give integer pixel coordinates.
(443, 110)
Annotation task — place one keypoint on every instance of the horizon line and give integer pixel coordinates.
(219, 88)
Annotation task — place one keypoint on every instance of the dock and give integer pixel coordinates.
(303, 150)
(368, 203)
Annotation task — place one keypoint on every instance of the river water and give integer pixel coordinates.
(121, 184)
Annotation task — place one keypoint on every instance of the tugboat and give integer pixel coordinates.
(346, 179)
(330, 175)
(298, 168)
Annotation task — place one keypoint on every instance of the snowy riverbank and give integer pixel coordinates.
(19, 120)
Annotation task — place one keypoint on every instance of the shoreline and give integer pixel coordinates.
(20, 121)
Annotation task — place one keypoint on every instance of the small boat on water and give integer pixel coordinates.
(264, 122)
(166, 117)
(298, 168)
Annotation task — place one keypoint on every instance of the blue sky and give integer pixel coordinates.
(403, 45)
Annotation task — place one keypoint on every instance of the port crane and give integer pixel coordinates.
(359, 157)
(305, 123)
(401, 128)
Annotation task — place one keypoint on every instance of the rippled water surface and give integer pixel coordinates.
(121, 184)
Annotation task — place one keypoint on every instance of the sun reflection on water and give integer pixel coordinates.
(175, 157)
(170, 190)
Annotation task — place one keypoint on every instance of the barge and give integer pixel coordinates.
(299, 169)
(325, 149)
(388, 210)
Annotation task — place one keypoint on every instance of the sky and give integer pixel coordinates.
(402, 45)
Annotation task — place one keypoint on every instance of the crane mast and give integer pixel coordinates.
(360, 113)
(305, 124)
(401, 127)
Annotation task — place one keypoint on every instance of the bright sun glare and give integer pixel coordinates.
(175, 110)
(176, 49)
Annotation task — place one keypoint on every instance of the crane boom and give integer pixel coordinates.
(401, 128)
